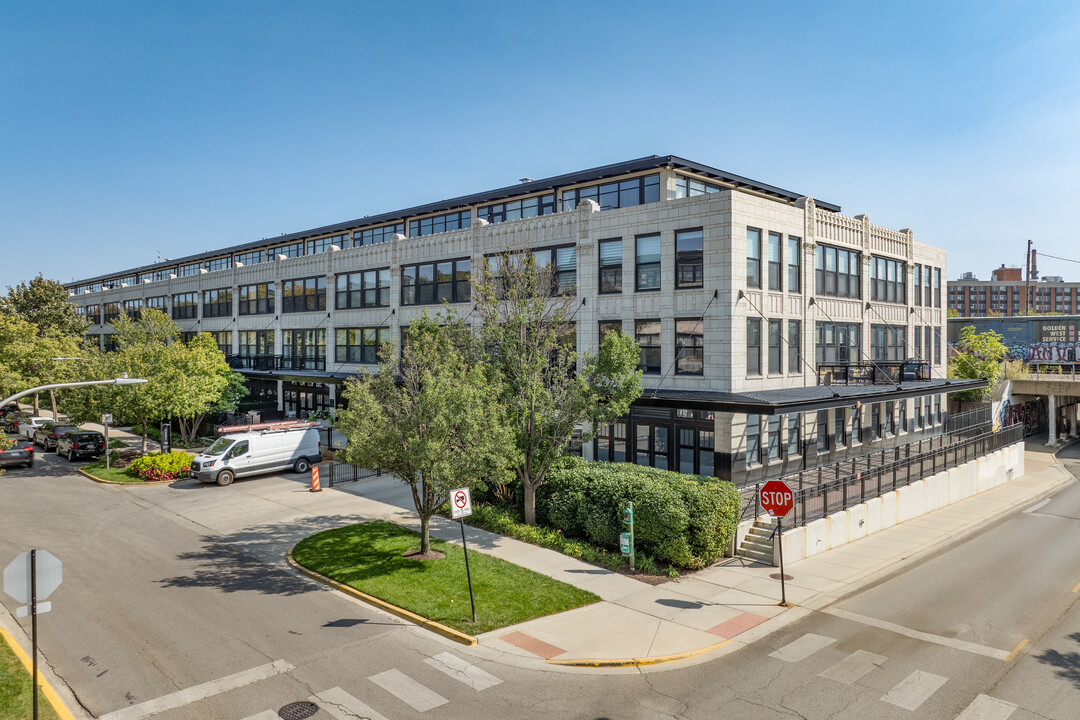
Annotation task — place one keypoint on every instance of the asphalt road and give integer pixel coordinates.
(153, 604)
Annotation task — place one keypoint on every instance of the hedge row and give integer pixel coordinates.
(158, 466)
(686, 520)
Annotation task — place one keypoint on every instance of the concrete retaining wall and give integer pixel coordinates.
(902, 504)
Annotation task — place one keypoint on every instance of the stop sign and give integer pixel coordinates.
(777, 498)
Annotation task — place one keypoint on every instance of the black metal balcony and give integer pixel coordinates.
(275, 362)
(875, 373)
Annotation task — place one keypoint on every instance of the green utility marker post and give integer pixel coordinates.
(626, 539)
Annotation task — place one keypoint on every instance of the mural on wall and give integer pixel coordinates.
(1050, 352)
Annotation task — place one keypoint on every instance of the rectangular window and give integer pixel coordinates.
(794, 264)
(918, 413)
(689, 257)
(927, 339)
(753, 440)
(292, 250)
(257, 299)
(359, 345)
(251, 258)
(927, 277)
(837, 272)
(619, 194)
(689, 347)
(256, 343)
(772, 252)
(611, 265)
(887, 280)
(303, 295)
(561, 262)
(929, 412)
(217, 303)
(517, 209)
(916, 285)
(890, 418)
(185, 306)
(647, 333)
(838, 342)
(447, 222)
(937, 409)
(222, 263)
(223, 339)
(431, 283)
(888, 343)
(753, 346)
(304, 349)
(191, 269)
(875, 421)
(793, 440)
(367, 289)
(937, 287)
(903, 416)
(321, 245)
(841, 427)
(794, 329)
(753, 257)
(856, 425)
(375, 236)
(691, 187)
(774, 438)
(93, 313)
(937, 349)
(917, 343)
(822, 431)
(648, 262)
(607, 326)
(776, 355)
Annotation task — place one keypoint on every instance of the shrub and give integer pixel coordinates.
(158, 466)
(685, 520)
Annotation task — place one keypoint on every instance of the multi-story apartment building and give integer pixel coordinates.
(1007, 294)
(773, 329)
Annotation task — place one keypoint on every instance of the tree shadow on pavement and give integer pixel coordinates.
(1067, 663)
(253, 559)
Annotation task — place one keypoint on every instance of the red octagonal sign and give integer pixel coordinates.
(777, 498)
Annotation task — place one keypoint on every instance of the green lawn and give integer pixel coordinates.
(97, 469)
(16, 702)
(368, 557)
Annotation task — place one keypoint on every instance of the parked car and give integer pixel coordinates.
(13, 420)
(32, 423)
(80, 444)
(22, 453)
(265, 449)
(47, 435)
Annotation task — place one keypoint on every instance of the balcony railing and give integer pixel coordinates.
(877, 373)
(275, 362)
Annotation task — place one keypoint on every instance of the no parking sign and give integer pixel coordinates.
(460, 503)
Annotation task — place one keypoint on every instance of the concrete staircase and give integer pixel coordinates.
(758, 543)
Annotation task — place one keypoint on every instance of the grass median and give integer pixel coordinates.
(369, 557)
(97, 469)
(16, 701)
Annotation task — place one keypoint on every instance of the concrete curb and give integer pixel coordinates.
(124, 484)
(46, 689)
(437, 628)
(638, 662)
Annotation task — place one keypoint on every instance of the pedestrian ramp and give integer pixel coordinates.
(909, 694)
(342, 705)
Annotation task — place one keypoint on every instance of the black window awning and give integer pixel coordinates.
(799, 399)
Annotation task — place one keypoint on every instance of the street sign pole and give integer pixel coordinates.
(777, 499)
(33, 628)
(106, 447)
(468, 574)
(780, 538)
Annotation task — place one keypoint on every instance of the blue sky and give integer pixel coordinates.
(133, 128)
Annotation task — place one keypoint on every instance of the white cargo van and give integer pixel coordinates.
(256, 449)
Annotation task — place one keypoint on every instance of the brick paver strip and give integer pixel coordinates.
(531, 644)
(736, 625)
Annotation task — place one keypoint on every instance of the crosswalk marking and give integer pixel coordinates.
(954, 643)
(853, 667)
(985, 707)
(343, 706)
(460, 670)
(264, 715)
(914, 690)
(408, 690)
(802, 648)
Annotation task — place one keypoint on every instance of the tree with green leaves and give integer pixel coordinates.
(234, 391)
(44, 303)
(434, 420)
(981, 356)
(528, 332)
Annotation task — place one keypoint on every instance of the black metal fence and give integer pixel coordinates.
(340, 472)
(970, 422)
(860, 479)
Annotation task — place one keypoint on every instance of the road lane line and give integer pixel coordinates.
(343, 706)
(920, 635)
(198, 692)
(985, 707)
(407, 690)
(914, 690)
(1077, 587)
(1019, 646)
(802, 648)
(463, 671)
(853, 667)
(1036, 506)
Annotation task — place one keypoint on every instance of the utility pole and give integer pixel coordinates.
(1027, 280)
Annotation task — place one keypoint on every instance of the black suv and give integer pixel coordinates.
(80, 444)
(47, 435)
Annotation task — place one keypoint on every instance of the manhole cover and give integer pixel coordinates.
(298, 710)
(776, 576)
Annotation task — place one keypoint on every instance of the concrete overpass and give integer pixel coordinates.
(1062, 392)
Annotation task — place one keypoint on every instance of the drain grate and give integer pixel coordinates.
(298, 710)
(776, 576)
